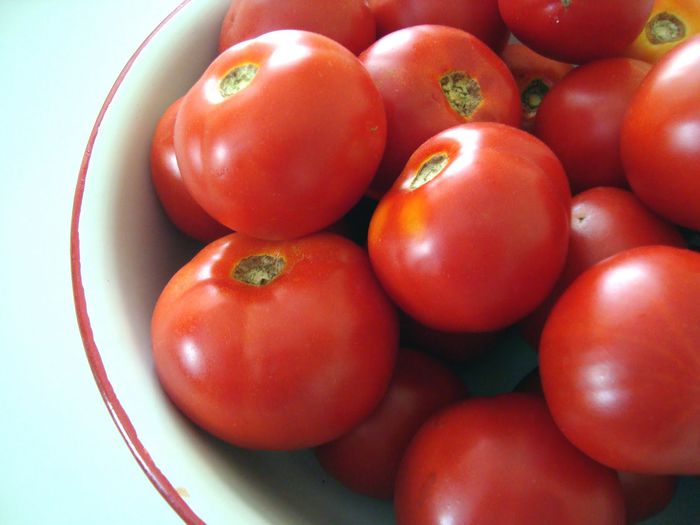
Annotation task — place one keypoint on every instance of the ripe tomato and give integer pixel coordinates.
(348, 22)
(604, 221)
(646, 495)
(661, 137)
(179, 206)
(502, 460)
(576, 31)
(581, 119)
(275, 345)
(281, 135)
(481, 18)
(432, 78)
(619, 361)
(670, 23)
(474, 233)
(535, 75)
(367, 458)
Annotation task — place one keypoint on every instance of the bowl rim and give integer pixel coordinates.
(92, 352)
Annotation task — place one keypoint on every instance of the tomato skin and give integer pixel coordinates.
(291, 364)
(619, 361)
(348, 22)
(684, 15)
(456, 253)
(367, 458)
(646, 495)
(578, 32)
(178, 204)
(407, 66)
(581, 117)
(502, 460)
(294, 150)
(604, 221)
(535, 75)
(660, 138)
(481, 18)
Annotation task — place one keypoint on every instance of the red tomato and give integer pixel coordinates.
(646, 495)
(367, 458)
(502, 460)
(620, 365)
(179, 206)
(456, 347)
(670, 23)
(282, 134)
(474, 233)
(481, 18)
(535, 75)
(432, 78)
(604, 221)
(661, 137)
(576, 31)
(581, 119)
(275, 345)
(348, 22)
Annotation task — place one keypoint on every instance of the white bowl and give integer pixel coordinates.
(123, 252)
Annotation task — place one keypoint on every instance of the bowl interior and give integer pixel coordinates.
(129, 250)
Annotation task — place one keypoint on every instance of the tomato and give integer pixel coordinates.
(367, 458)
(275, 344)
(619, 361)
(474, 233)
(481, 18)
(432, 78)
(604, 221)
(646, 495)
(670, 23)
(535, 75)
(282, 134)
(576, 31)
(455, 347)
(348, 22)
(178, 204)
(581, 117)
(502, 460)
(660, 138)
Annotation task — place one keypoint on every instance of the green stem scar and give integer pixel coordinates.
(237, 79)
(566, 3)
(664, 28)
(462, 92)
(258, 270)
(531, 97)
(430, 169)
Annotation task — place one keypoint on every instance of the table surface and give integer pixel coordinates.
(61, 456)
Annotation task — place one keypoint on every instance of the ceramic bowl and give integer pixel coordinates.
(123, 252)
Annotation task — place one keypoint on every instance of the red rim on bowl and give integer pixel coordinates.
(115, 408)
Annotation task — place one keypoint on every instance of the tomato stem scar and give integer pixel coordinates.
(664, 28)
(430, 169)
(531, 97)
(258, 270)
(237, 79)
(462, 92)
(566, 3)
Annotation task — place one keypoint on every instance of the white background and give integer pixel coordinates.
(62, 459)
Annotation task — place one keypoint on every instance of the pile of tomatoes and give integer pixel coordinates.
(404, 185)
